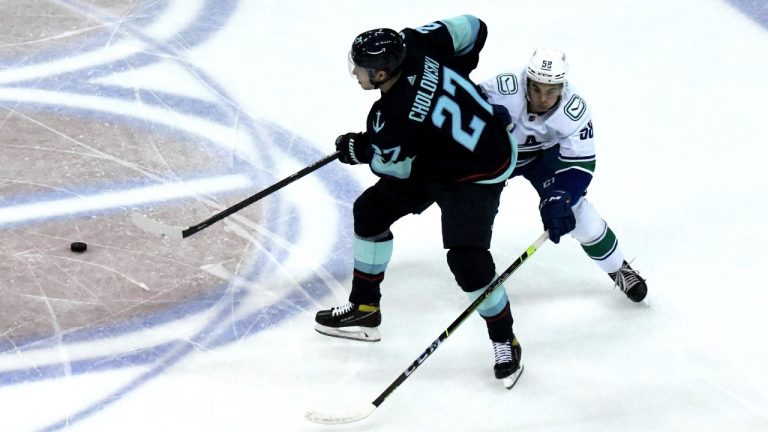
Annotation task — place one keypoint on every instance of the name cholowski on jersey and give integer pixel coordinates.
(423, 101)
(434, 124)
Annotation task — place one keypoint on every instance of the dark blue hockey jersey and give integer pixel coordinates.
(433, 124)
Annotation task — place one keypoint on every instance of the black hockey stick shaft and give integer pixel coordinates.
(253, 198)
(460, 319)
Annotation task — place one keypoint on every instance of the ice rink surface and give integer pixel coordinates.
(179, 109)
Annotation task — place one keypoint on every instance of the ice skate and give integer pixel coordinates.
(350, 321)
(629, 280)
(507, 365)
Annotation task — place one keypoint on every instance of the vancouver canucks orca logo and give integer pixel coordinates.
(575, 108)
(506, 83)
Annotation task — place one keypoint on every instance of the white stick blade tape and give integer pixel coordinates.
(332, 419)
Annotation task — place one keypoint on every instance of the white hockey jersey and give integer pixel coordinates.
(568, 124)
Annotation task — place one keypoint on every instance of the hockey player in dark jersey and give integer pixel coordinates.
(432, 139)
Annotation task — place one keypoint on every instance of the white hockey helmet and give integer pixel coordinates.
(547, 66)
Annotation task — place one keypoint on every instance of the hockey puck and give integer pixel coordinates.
(78, 247)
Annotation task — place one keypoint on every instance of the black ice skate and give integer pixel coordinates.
(629, 280)
(350, 321)
(507, 368)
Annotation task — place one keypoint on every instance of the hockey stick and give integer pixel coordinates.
(363, 412)
(159, 228)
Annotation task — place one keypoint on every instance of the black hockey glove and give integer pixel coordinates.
(354, 148)
(556, 214)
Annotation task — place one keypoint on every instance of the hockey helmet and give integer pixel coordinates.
(378, 49)
(547, 66)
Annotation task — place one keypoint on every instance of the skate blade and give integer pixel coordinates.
(365, 334)
(511, 380)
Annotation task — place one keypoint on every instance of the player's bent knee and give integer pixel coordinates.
(367, 220)
(473, 268)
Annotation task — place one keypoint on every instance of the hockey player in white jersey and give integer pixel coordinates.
(553, 126)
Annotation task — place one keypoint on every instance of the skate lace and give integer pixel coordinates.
(341, 310)
(626, 277)
(502, 351)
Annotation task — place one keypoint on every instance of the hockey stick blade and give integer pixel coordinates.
(154, 227)
(333, 419)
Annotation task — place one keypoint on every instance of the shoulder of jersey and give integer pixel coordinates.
(571, 114)
(573, 107)
(508, 83)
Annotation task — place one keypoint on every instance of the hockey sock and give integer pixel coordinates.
(371, 260)
(370, 256)
(496, 313)
(500, 325)
(604, 250)
(366, 288)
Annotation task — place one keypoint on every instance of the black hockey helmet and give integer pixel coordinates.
(378, 49)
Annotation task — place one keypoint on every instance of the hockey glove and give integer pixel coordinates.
(354, 148)
(556, 214)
